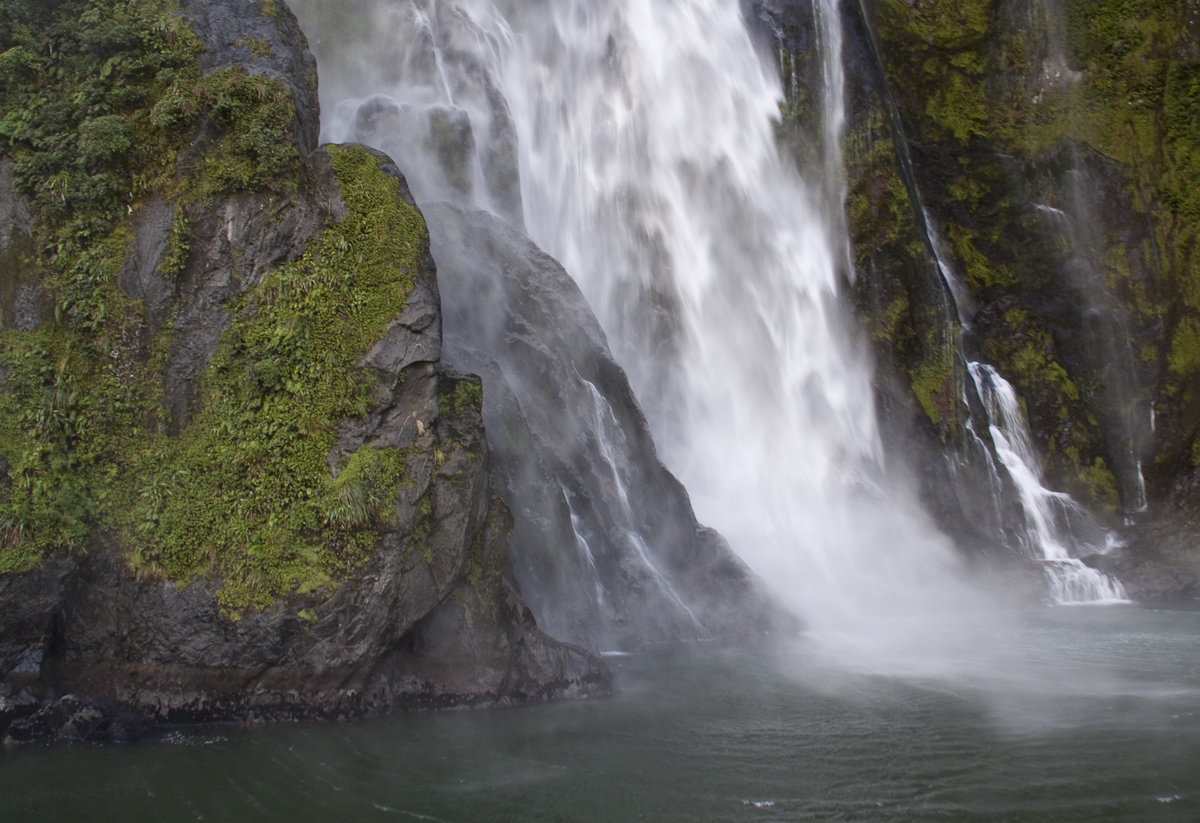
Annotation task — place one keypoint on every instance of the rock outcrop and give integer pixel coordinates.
(395, 590)
(606, 541)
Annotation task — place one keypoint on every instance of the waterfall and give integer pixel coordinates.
(641, 134)
(1107, 350)
(1052, 521)
(650, 168)
(1048, 514)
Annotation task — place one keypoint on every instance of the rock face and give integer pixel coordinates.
(1044, 154)
(606, 543)
(96, 644)
(1159, 565)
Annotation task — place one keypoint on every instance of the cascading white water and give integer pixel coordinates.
(1048, 515)
(1071, 581)
(650, 168)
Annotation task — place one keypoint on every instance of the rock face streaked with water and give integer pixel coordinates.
(606, 546)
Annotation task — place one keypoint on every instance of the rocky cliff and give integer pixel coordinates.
(236, 481)
(1022, 184)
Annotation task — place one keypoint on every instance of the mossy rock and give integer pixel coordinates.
(244, 494)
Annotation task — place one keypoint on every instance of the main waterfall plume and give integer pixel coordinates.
(649, 166)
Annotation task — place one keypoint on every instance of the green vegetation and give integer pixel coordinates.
(958, 105)
(251, 496)
(101, 105)
(465, 394)
(1003, 105)
(982, 273)
(1184, 357)
(938, 53)
(933, 383)
(1101, 484)
(1070, 436)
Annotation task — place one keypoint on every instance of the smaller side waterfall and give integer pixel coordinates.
(1048, 514)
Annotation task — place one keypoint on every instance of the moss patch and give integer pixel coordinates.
(455, 396)
(933, 383)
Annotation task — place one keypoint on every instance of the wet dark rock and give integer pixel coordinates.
(482, 646)
(1160, 561)
(15, 219)
(75, 719)
(21, 305)
(139, 277)
(31, 604)
(606, 545)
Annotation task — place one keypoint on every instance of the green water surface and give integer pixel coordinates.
(1078, 715)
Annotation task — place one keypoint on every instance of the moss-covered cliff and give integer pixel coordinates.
(102, 107)
(235, 479)
(1055, 147)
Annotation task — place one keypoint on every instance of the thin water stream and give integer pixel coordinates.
(1053, 519)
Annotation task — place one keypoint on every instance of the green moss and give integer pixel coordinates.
(967, 191)
(100, 104)
(259, 47)
(982, 273)
(933, 384)
(1026, 350)
(48, 443)
(255, 116)
(1184, 356)
(1033, 364)
(943, 24)
(886, 327)
(959, 107)
(251, 497)
(459, 395)
(1101, 484)
(178, 247)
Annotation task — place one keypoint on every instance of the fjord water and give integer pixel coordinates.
(1101, 722)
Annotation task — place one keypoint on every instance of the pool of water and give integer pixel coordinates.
(1085, 714)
